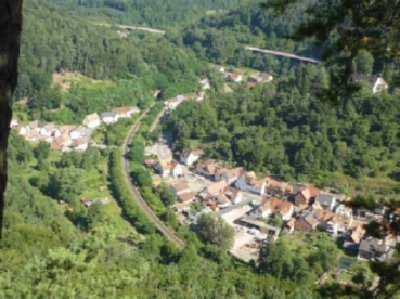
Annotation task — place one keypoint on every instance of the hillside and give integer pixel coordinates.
(157, 13)
(55, 40)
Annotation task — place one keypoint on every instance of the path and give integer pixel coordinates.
(164, 229)
(284, 54)
(129, 27)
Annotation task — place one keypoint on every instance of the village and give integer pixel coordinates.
(263, 208)
(259, 208)
(68, 138)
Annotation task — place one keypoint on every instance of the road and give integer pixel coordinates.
(284, 54)
(164, 229)
(129, 27)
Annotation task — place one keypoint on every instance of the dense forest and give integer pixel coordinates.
(156, 13)
(56, 40)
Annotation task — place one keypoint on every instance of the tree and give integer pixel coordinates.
(364, 63)
(213, 229)
(42, 150)
(66, 184)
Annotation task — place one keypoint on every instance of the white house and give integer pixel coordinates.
(235, 77)
(342, 210)
(14, 123)
(109, 118)
(249, 183)
(327, 201)
(377, 84)
(188, 158)
(47, 130)
(92, 121)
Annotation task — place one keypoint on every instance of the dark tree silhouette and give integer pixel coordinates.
(10, 29)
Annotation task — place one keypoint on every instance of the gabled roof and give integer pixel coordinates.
(215, 188)
(276, 205)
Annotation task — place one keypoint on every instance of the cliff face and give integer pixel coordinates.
(10, 30)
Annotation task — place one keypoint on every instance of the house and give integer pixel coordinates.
(334, 224)
(249, 183)
(220, 68)
(78, 133)
(109, 118)
(235, 77)
(87, 202)
(177, 170)
(289, 226)
(216, 188)
(186, 197)
(125, 112)
(233, 194)
(229, 175)
(374, 249)
(14, 123)
(357, 233)
(344, 211)
(276, 206)
(92, 121)
(327, 201)
(47, 130)
(189, 157)
(81, 145)
(207, 169)
(180, 187)
(266, 77)
(302, 197)
(306, 223)
(378, 84)
(278, 188)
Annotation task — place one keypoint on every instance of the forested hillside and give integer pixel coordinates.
(222, 38)
(56, 40)
(297, 136)
(158, 13)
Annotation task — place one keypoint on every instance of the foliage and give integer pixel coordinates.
(292, 133)
(130, 209)
(215, 230)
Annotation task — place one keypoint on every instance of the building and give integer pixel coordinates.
(306, 224)
(327, 201)
(125, 112)
(278, 206)
(233, 194)
(302, 197)
(374, 249)
(215, 188)
(189, 157)
(249, 183)
(278, 188)
(92, 121)
(334, 224)
(235, 77)
(229, 175)
(109, 118)
(186, 197)
(344, 211)
(207, 169)
(378, 84)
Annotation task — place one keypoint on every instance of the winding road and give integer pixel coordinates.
(164, 229)
(284, 54)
